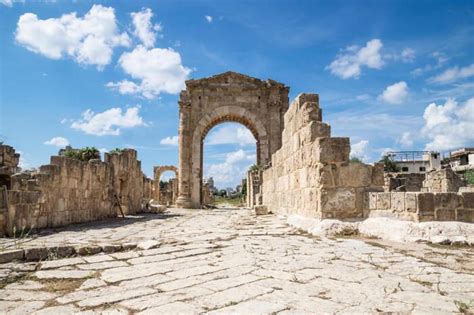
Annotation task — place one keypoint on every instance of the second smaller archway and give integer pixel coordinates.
(172, 191)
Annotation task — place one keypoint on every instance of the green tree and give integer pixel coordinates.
(84, 154)
(223, 193)
(389, 165)
(244, 188)
(254, 167)
(469, 176)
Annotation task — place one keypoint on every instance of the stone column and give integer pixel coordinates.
(185, 143)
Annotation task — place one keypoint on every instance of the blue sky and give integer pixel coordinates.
(392, 75)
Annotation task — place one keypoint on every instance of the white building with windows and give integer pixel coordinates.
(415, 161)
(462, 160)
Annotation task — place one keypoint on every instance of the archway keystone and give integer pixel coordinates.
(227, 97)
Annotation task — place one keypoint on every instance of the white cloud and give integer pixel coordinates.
(23, 163)
(405, 140)
(170, 140)
(109, 122)
(157, 70)
(143, 28)
(232, 170)
(8, 3)
(363, 97)
(349, 64)
(59, 142)
(231, 134)
(208, 18)
(454, 74)
(407, 55)
(395, 93)
(360, 150)
(440, 60)
(89, 40)
(449, 126)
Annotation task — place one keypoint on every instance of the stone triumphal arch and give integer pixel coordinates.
(227, 97)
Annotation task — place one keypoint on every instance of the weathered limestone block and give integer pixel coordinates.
(261, 210)
(465, 215)
(383, 201)
(397, 201)
(426, 206)
(331, 150)
(411, 202)
(447, 200)
(445, 214)
(337, 202)
(354, 175)
(468, 199)
(313, 130)
(373, 200)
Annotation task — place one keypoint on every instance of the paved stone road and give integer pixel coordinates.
(229, 261)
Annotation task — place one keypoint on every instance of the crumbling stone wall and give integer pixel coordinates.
(420, 206)
(403, 181)
(443, 180)
(311, 174)
(63, 192)
(70, 191)
(9, 161)
(128, 179)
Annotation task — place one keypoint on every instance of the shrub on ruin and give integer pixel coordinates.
(84, 154)
(116, 151)
(355, 159)
(255, 167)
(469, 176)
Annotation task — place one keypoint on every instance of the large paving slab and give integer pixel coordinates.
(233, 262)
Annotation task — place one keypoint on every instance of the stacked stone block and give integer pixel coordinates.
(63, 192)
(443, 180)
(9, 161)
(403, 181)
(420, 206)
(311, 174)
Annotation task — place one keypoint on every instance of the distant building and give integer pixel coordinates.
(210, 184)
(415, 161)
(230, 191)
(238, 188)
(462, 160)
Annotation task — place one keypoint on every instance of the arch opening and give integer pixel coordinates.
(229, 147)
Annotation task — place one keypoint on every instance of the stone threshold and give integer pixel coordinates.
(390, 229)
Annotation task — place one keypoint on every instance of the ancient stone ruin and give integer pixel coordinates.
(311, 174)
(227, 97)
(70, 191)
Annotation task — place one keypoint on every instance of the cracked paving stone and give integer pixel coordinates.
(63, 274)
(231, 261)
